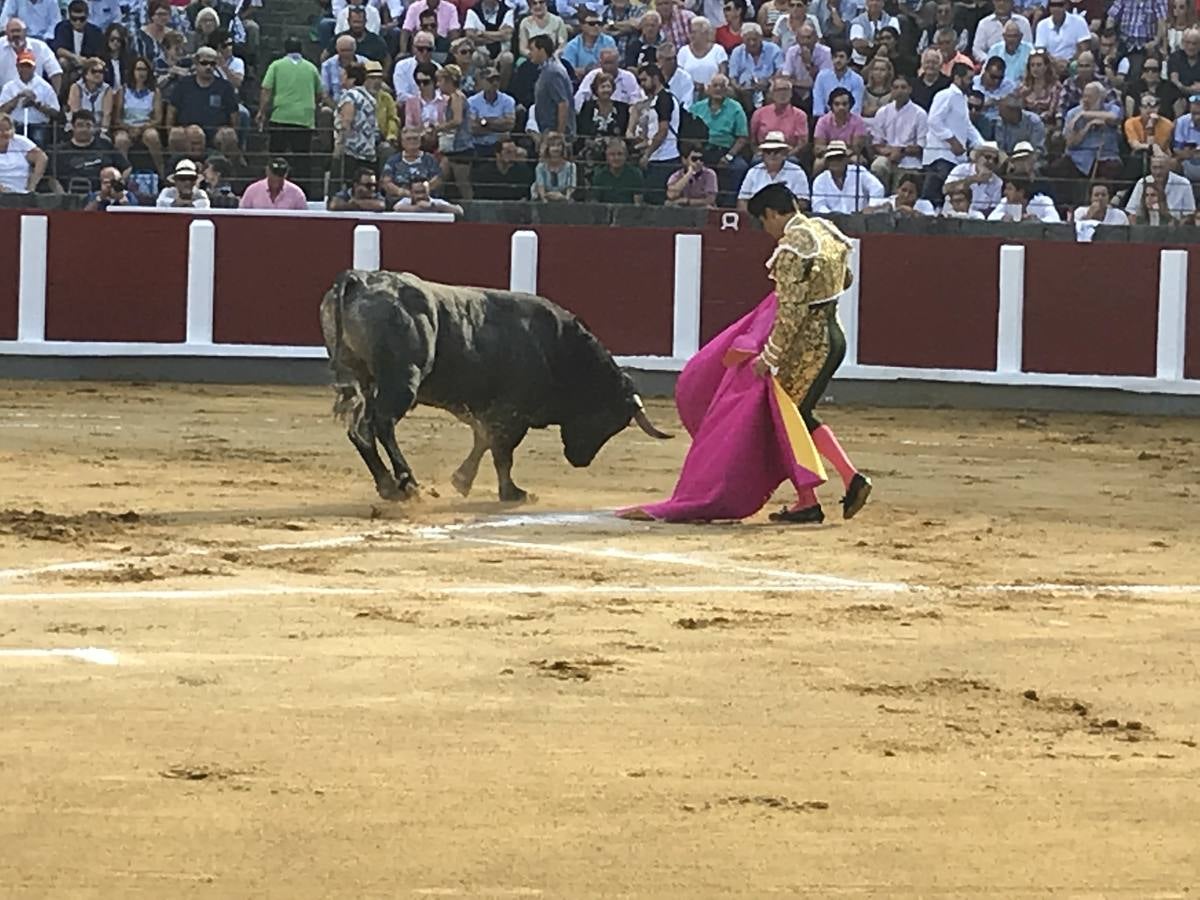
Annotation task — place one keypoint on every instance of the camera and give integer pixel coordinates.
(117, 185)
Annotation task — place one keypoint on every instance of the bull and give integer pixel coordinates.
(499, 361)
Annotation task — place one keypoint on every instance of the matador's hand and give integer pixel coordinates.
(760, 366)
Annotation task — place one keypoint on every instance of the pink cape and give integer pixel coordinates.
(747, 437)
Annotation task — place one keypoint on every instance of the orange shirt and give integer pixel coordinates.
(1135, 130)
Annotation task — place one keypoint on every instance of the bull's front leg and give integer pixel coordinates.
(362, 435)
(503, 445)
(464, 476)
(392, 401)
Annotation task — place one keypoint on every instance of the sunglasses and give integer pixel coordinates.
(424, 80)
(205, 62)
(695, 159)
(423, 49)
(464, 51)
(592, 24)
(773, 151)
(78, 18)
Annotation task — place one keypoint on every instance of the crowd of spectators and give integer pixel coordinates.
(1014, 110)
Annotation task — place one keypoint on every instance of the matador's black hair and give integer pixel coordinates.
(774, 196)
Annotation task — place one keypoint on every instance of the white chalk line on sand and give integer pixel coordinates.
(84, 654)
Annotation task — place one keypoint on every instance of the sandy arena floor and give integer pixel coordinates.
(985, 686)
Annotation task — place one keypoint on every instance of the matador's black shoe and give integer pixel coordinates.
(810, 515)
(856, 495)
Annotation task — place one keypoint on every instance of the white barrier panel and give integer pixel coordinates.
(523, 262)
(685, 337)
(201, 281)
(1010, 324)
(366, 248)
(31, 280)
(848, 304)
(1172, 314)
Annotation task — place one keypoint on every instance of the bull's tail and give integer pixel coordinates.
(349, 402)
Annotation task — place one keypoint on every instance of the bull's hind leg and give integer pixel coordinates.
(503, 445)
(464, 476)
(393, 400)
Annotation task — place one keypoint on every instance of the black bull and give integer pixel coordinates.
(501, 362)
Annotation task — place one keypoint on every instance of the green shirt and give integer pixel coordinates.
(725, 125)
(294, 88)
(619, 188)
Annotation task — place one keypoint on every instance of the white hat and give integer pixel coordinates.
(774, 141)
(185, 168)
(836, 148)
(990, 147)
(1023, 148)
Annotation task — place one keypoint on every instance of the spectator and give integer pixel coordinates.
(356, 132)
(553, 95)
(656, 131)
(1138, 24)
(454, 131)
(554, 178)
(1181, 16)
(994, 87)
(775, 168)
(493, 114)
(507, 177)
(113, 192)
(1085, 74)
(446, 19)
(786, 31)
(419, 198)
(215, 182)
(491, 24)
(1092, 139)
(728, 130)
(362, 196)
(702, 58)
(890, 49)
(695, 184)
(770, 13)
(582, 52)
(1148, 134)
(947, 47)
(979, 176)
(147, 37)
(803, 62)
(573, 12)
(843, 186)
(1152, 82)
(202, 110)
(1153, 207)
(345, 52)
(752, 65)
(138, 114)
(75, 38)
(1060, 33)
(865, 28)
(541, 22)
(944, 17)
(22, 163)
(172, 64)
(675, 79)
(839, 125)
(1016, 124)
(1023, 163)
(676, 24)
(600, 119)
(462, 54)
(41, 17)
(291, 90)
(622, 19)
(367, 43)
(982, 123)
(642, 47)
(950, 132)
(117, 54)
(30, 102)
(1186, 140)
(429, 26)
(780, 116)
(839, 76)
(1041, 91)
(404, 76)
(898, 132)
(183, 190)
(991, 31)
(1012, 50)
(427, 108)
(229, 67)
(1020, 204)
(374, 21)
(1100, 211)
(274, 191)
(17, 41)
(904, 203)
(625, 84)
(878, 88)
(208, 22)
(736, 13)
(958, 205)
(617, 181)
(1110, 65)
(929, 81)
(77, 163)
(411, 164)
(93, 94)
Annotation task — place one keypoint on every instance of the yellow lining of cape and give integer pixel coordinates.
(798, 437)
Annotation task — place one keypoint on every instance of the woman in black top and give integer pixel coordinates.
(600, 118)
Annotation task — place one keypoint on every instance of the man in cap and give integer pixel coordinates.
(202, 110)
(844, 186)
(31, 101)
(979, 175)
(492, 113)
(775, 168)
(183, 190)
(274, 191)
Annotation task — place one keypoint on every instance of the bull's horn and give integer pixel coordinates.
(647, 426)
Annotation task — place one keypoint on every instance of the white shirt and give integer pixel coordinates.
(402, 79)
(860, 190)
(990, 30)
(682, 87)
(41, 90)
(949, 118)
(1060, 42)
(168, 195)
(863, 29)
(1085, 228)
(434, 203)
(669, 148)
(1180, 199)
(983, 196)
(758, 178)
(1039, 206)
(338, 6)
(14, 166)
(47, 64)
(903, 127)
(948, 213)
(922, 206)
(39, 16)
(474, 23)
(703, 69)
(625, 88)
(343, 20)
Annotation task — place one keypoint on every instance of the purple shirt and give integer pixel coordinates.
(697, 188)
(258, 196)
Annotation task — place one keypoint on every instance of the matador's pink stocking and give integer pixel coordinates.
(828, 446)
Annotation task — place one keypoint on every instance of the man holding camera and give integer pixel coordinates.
(113, 192)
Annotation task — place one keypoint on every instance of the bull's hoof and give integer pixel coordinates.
(461, 482)
(391, 489)
(513, 495)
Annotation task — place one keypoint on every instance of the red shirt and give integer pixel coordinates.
(792, 122)
(727, 39)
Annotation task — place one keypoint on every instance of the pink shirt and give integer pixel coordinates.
(447, 17)
(792, 122)
(258, 196)
(829, 130)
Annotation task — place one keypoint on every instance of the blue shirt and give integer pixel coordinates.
(479, 108)
(827, 80)
(39, 16)
(993, 96)
(1186, 132)
(331, 75)
(1098, 143)
(581, 58)
(744, 68)
(1014, 63)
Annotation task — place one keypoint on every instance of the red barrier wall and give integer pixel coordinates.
(463, 253)
(733, 277)
(1191, 359)
(928, 303)
(10, 255)
(1091, 309)
(116, 277)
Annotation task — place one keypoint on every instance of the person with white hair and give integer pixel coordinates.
(625, 84)
(702, 57)
(752, 65)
